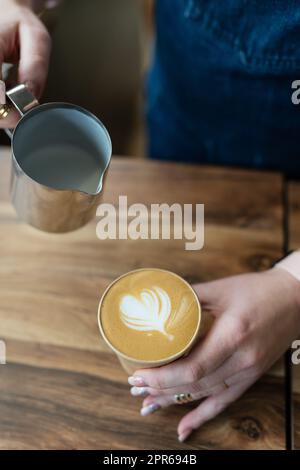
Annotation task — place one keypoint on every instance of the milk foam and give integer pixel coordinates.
(64, 166)
(148, 312)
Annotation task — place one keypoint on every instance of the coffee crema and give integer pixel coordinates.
(150, 314)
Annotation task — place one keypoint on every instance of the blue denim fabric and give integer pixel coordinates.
(219, 89)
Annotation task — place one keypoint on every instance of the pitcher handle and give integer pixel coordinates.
(23, 100)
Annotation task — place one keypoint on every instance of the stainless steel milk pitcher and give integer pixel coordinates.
(60, 153)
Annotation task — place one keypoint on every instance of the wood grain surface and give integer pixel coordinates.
(294, 244)
(61, 387)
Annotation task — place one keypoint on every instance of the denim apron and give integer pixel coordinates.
(219, 88)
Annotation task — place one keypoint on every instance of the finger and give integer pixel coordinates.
(219, 344)
(35, 48)
(248, 373)
(10, 121)
(206, 292)
(152, 404)
(2, 89)
(210, 408)
(13, 116)
(238, 368)
(231, 367)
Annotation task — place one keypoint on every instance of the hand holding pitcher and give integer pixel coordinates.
(24, 41)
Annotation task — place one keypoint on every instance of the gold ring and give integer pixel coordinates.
(226, 386)
(5, 110)
(182, 398)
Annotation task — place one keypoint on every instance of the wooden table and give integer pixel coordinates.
(62, 388)
(294, 244)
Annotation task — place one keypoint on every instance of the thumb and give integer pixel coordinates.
(35, 46)
(207, 292)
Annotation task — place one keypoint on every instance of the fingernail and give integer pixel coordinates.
(137, 381)
(148, 410)
(138, 391)
(184, 435)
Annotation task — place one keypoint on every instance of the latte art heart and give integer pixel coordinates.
(148, 312)
(149, 315)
